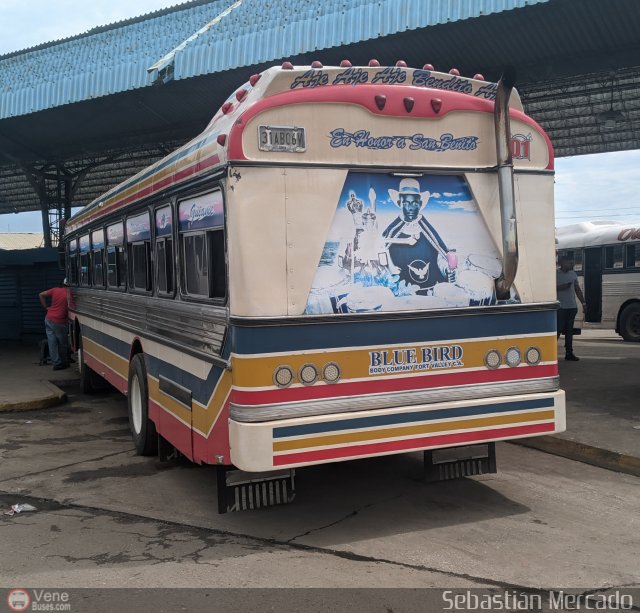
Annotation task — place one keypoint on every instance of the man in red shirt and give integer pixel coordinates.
(56, 325)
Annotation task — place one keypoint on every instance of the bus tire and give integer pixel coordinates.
(630, 323)
(143, 430)
(87, 376)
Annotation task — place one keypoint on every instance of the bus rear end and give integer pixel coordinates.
(369, 253)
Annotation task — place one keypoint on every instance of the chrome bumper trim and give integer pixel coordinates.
(307, 408)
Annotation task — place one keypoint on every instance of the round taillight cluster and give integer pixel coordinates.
(513, 357)
(283, 376)
(492, 359)
(308, 374)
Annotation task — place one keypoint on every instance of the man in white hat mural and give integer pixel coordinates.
(414, 245)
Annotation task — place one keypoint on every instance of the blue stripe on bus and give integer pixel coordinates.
(201, 389)
(412, 329)
(359, 423)
(115, 345)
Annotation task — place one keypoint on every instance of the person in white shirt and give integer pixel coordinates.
(568, 288)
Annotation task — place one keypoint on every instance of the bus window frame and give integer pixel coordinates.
(148, 246)
(635, 249)
(73, 265)
(92, 259)
(613, 269)
(571, 253)
(156, 254)
(208, 233)
(122, 276)
(87, 255)
(131, 288)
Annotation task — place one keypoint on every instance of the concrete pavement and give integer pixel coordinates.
(24, 384)
(603, 412)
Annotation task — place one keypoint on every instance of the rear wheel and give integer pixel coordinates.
(87, 376)
(143, 430)
(630, 322)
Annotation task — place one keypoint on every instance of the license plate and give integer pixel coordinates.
(281, 138)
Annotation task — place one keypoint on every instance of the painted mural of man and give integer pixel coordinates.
(355, 207)
(414, 245)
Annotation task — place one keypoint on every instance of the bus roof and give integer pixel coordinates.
(218, 143)
(596, 233)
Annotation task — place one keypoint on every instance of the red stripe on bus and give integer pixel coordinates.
(399, 384)
(154, 187)
(171, 428)
(424, 442)
(106, 372)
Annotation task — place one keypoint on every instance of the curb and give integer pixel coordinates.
(56, 396)
(603, 458)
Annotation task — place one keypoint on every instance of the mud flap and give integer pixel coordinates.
(241, 491)
(458, 462)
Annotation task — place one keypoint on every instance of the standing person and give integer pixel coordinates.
(568, 288)
(56, 325)
(414, 245)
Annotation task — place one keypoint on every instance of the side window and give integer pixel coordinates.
(195, 264)
(633, 256)
(72, 262)
(165, 276)
(116, 261)
(577, 260)
(85, 277)
(202, 246)
(139, 252)
(97, 258)
(565, 253)
(140, 266)
(613, 257)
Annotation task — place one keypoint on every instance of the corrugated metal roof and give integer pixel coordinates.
(115, 59)
(567, 54)
(301, 26)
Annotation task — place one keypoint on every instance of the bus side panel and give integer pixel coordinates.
(106, 350)
(188, 396)
(211, 424)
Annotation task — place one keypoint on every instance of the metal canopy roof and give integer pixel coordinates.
(576, 61)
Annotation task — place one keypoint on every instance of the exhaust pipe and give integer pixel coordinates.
(505, 185)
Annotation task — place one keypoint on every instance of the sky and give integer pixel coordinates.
(588, 187)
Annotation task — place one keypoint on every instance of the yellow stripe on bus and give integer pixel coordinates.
(354, 364)
(202, 418)
(367, 435)
(170, 405)
(110, 359)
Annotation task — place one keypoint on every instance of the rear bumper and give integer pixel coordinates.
(319, 439)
